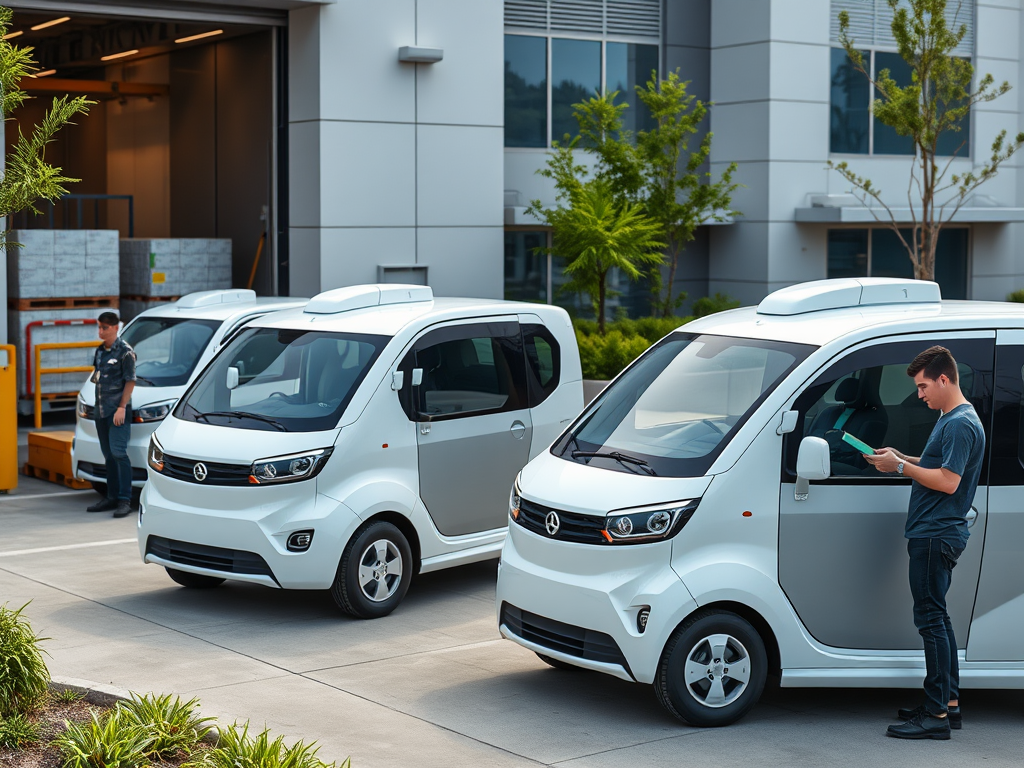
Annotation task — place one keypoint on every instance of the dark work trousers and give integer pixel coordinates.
(931, 570)
(114, 444)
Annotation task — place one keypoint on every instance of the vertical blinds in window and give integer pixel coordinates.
(871, 22)
(635, 18)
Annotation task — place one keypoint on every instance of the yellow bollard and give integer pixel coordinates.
(8, 419)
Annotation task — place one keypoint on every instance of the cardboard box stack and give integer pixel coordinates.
(153, 271)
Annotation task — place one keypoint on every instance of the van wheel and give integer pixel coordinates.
(559, 664)
(713, 669)
(193, 580)
(374, 573)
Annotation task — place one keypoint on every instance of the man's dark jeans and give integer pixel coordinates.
(931, 570)
(114, 444)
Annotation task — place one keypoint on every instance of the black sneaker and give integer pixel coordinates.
(124, 508)
(956, 720)
(102, 506)
(923, 726)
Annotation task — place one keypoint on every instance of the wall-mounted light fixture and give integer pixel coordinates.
(200, 36)
(12, 35)
(415, 54)
(45, 73)
(120, 55)
(51, 23)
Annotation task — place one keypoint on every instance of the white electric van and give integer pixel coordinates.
(352, 444)
(702, 524)
(171, 343)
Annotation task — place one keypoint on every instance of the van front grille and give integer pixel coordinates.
(564, 638)
(581, 529)
(212, 558)
(183, 469)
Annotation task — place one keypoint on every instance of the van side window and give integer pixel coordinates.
(467, 370)
(869, 395)
(543, 362)
(1008, 424)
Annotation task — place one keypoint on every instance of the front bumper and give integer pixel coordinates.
(87, 462)
(228, 531)
(585, 600)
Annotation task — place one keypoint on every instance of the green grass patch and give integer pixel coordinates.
(17, 732)
(23, 674)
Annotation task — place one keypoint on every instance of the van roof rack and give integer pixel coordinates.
(213, 298)
(363, 296)
(848, 292)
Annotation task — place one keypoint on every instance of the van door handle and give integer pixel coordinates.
(518, 429)
(972, 516)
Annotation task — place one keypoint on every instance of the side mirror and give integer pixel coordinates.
(232, 378)
(813, 462)
(397, 380)
(417, 376)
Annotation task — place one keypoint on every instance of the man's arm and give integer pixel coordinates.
(941, 479)
(906, 459)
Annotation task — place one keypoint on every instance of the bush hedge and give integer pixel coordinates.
(1017, 296)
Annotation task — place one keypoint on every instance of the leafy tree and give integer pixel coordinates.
(27, 177)
(935, 103)
(596, 232)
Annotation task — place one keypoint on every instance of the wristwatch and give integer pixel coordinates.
(899, 468)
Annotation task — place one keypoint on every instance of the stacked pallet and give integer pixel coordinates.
(155, 271)
(56, 276)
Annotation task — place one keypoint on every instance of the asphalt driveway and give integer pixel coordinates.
(430, 685)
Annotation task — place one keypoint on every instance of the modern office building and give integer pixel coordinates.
(399, 140)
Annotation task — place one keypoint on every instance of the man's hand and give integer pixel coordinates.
(119, 416)
(884, 459)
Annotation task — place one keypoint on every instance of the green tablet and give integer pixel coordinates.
(860, 445)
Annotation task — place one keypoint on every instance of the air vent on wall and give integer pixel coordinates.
(532, 14)
(632, 18)
(577, 16)
(871, 22)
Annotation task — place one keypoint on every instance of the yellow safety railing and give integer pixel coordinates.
(39, 370)
(8, 420)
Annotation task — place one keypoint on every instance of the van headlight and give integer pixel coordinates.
(83, 410)
(514, 500)
(646, 524)
(290, 468)
(152, 412)
(155, 457)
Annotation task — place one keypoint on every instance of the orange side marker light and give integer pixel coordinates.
(748, 513)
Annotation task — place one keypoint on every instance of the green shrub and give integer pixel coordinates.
(65, 696)
(23, 674)
(711, 304)
(106, 741)
(17, 731)
(603, 357)
(237, 749)
(1017, 296)
(174, 726)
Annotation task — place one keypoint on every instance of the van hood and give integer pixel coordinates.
(230, 445)
(575, 487)
(141, 396)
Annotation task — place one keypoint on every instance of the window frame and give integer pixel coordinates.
(537, 391)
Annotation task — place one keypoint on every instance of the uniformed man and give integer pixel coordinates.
(114, 377)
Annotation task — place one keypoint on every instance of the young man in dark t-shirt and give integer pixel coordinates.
(945, 479)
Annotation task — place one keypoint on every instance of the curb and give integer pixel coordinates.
(108, 696)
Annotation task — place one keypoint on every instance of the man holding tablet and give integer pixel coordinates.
(945, 479)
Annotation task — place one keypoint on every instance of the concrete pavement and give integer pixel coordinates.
(430, 685)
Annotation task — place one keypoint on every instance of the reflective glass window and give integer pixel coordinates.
(887, 141)
(526, 269)
(850, 106)
(628, 65)
(526, 85)
(848, 253)
(575, 77)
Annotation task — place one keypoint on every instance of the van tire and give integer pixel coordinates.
(193, 580)
(690, 640)
(353, 598)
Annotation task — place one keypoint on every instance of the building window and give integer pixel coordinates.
(527, 271)
(539, 108)
(879, 253)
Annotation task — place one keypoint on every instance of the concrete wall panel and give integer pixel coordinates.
(799, 131)
(997, 31)
(802, 21)
(304, 261)
(459, 176)
(790, 64)
(464, 261)
(740, 73)
(304, 174)
(737, 22)
(741, 132)
(351, 256)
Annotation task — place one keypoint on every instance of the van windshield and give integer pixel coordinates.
(287, 380)
(676, 409)
(167, 348)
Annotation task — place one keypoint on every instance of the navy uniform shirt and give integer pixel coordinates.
(114, 368)
(957, 443)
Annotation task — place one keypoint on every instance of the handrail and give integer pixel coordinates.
(39, 349)
(8, 420)
(28, 343)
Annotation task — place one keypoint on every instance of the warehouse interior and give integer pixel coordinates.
(183, 124)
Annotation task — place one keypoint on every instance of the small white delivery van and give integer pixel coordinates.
(171, 343)
(352, 444)
(703, 524)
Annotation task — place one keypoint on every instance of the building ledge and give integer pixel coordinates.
(859, 214)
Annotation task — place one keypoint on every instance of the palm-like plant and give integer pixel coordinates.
(23, 674)
(174, 725)
(597, 232)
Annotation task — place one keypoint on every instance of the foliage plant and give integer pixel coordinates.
(106, 741)
(23, 673)
(27, 177)
(1017, 296)
(936, 102)
(237, 749)
(709, 305)
(17, 731)
(65, 696)
(174, 725)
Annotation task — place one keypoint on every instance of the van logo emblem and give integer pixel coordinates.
(551, 523)
(199, 471)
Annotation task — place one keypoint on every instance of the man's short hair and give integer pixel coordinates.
(109, 318)
(934, 362)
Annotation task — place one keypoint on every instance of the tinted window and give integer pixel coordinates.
(1008, 424)
(869, 395)
(628, 65)
(167, 349)
(543, 362)
(850, 105)
(575, 77)
(526, 91)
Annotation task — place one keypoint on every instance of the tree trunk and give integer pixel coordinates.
(667, 308)
(602, 291)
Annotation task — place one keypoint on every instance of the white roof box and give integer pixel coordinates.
(213, 298)
(848, 292)
(363, 296)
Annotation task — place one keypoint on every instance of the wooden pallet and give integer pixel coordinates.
(150, 298)
(65, 302)
(55, 477)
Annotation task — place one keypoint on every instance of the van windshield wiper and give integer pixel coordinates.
(241, 415)
(623, 458)
(144, 380)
